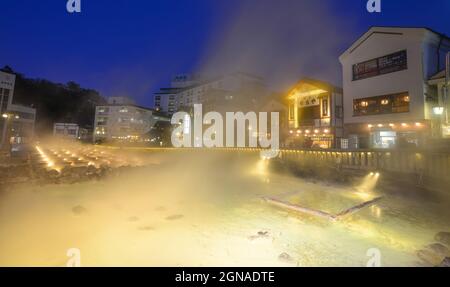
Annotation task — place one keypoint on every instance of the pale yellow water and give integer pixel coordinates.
(185, 209)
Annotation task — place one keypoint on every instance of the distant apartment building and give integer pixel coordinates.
(232, 92)
(122, 120)
(315, 115)
(166, 99)
(388, 100)
(16, 121)
(7, 82)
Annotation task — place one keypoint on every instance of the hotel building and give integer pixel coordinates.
(228, 93)
(123, 121)
(388, 101)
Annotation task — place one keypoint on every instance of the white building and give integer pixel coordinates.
(387, 98)
(16, 122)
(66, 131)
(124, 122)
(232, 92)
(7, 82)
(166, 100)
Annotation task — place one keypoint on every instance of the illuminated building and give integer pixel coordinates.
(228, 93)
(7, 82)
(122, 120)
(16, 121)
(386, 90)
(67, 131)
(315, 114)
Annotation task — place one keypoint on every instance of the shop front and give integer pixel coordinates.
(313, 138)
(388, 136)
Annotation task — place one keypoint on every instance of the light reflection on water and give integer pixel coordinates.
(203, 211)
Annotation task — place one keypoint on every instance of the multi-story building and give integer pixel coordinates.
(232, 92)
(315, 115)
(124, 121)
(387, 99)
(16, 121)
(166, 100)
(7, 82)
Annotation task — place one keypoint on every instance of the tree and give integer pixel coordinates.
(56, 102)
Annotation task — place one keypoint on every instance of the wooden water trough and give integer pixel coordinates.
(319, 213)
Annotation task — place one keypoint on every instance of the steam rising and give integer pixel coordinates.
(281, 41)
(203, 208)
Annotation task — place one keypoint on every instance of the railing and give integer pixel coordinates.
(423, 163)
(431, 164)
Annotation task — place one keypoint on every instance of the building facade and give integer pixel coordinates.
(315, 115)
(22, 123)
(124, 122)
(166, 100)
(231, 92)
(16, 122)
(387, 99)
(7, 82)
(69, 131)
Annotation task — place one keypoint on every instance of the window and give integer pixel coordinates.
(387, 104)
(380, 66)
(291, 110)
(325, 107)
(339, 112)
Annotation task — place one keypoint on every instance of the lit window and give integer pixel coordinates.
(385, 102)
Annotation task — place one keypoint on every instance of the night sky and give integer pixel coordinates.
(132, 48)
